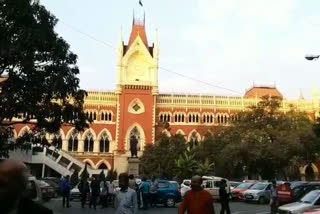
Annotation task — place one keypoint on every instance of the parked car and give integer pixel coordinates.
(54, 185)
(168, 193)
(47, 191)
(185, 187)
(259, 192)
(212, 185)
(312, 211)
(237, 192)
(309, 201)
(234, 184)
(291, 192)
(33, 190)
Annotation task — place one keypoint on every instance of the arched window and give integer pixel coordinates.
(104, 143)
(190, 119)
(182, 119)
(94, 116)
(175, 118)
(73, 143)
(110, 117)
(102, 116)
(169, 119)
(90, 116)
(218, 119)
(88, 143)
(161, 118)
(197, 118)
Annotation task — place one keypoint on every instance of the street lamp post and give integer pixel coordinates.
(312, 57)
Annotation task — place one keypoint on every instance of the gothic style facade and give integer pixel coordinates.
(136, 108)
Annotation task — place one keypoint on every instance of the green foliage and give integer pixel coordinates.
(41, 71)
(74, 179)
(84, 175)
(205, 168)
(102, 176)
(186, 165)
(159, 159)
(265, 140)
(112, 175)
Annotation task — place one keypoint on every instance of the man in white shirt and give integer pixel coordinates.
(126, 198)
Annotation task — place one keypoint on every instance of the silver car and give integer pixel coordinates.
(309, 201)
(259, 192)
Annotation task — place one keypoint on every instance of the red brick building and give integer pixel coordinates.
(136, 108)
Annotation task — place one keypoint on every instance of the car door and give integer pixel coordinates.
(208, 186)
(163, 190)
(267, 191)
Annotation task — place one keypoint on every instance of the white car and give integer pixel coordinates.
(185, 187)
(307, 202)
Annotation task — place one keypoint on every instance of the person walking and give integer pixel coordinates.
(84, 190)
(66, 188)
(126, 198)
(132, 182)
(197, 200)
(224, 197)
(145, 189)
(95, 192)
(153, 191)
(274, 198)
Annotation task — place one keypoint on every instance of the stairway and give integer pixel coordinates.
(57, 160)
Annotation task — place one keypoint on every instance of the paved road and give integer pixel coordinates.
(236, 208)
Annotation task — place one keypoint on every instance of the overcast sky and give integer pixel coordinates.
(229, 43)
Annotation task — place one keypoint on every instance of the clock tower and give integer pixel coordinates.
(137, 88)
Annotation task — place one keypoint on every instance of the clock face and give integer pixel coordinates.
(137, 70)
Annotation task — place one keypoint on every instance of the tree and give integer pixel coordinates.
(186, 166)
(265, 140)
(112, 175)
(84, 175)
(205, 168)
(102, 176)
(40, 71)
(74, 179)
(159, 159)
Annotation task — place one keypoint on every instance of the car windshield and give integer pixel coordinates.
(174, 184)
(310, 197)
(244, 186)
(259, 186)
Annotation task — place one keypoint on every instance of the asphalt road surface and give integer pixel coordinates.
(236, 208)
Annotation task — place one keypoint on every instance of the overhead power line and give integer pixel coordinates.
(160, 67)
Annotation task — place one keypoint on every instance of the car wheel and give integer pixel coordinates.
(262, 200)
(170, 202)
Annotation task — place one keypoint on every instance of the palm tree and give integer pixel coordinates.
(186, 166)
(205, 168)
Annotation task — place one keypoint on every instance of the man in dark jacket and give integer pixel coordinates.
(84, 189)
(95, 192)
(224, 197)
(66, 188)
(13, 182)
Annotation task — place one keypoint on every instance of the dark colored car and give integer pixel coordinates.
(47, 191)
(168, 193)
(54, 185)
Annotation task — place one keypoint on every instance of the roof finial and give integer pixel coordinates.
(301, 97)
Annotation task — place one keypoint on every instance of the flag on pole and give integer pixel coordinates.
(140, 2)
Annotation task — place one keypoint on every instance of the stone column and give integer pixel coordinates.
(81, 146)
(96, 147)
(65, 145)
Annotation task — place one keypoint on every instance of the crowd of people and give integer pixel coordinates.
(131, 194)
(104, 193)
